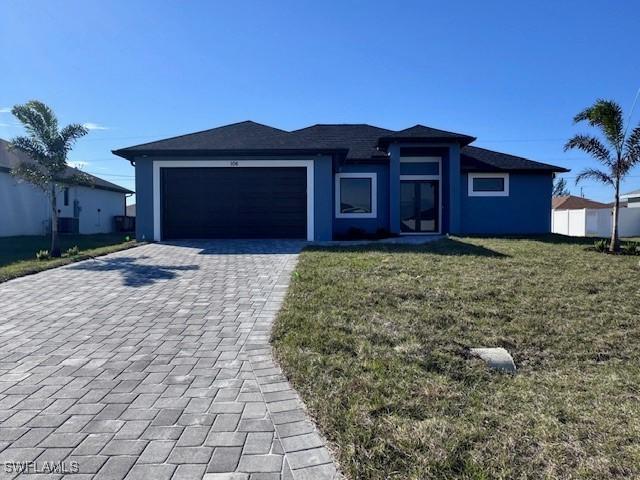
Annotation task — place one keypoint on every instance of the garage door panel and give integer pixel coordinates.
(237, 202)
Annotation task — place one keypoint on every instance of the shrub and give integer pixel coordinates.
(601, 245)
(42, 255)
(127, 238)
(630, 248)
(73, 251)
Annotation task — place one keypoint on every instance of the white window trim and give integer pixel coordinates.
(503, 193)
(158, 164)
(374, 195)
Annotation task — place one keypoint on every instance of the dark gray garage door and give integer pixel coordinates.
(234, 202)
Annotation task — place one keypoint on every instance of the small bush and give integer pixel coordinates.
(43, 255)
(127, 238)
(73, 251)
(630, 248)
(601, 245)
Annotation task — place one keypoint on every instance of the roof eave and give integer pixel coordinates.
(463, 140)
(132, 154)
(116, 189)
(492, 168)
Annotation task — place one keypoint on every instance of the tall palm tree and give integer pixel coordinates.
(47, 146)
(619, 155)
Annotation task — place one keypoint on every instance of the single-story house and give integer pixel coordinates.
(248, 180)
(632, 199)
(26, 209)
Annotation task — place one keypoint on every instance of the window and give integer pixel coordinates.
(356, 195)
(66, 196)
(488, 185)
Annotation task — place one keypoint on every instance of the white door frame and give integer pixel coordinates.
(158, 164)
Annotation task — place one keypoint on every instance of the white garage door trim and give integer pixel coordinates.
(158, 164)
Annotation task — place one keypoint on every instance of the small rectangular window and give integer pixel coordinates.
(356, 195)
(488, 185)
(66, 196)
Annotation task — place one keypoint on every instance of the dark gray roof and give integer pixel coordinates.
(633, 192)
(352, 141)
(420, 132)
(10, 159)
(361, 139)
(236, 136)
(476, 158)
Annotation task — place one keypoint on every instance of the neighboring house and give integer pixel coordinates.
(248, 180)
(131, 210)
(581, 217)
(26, 209)
(632, 199)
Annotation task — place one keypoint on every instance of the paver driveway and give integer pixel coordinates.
(154, 363)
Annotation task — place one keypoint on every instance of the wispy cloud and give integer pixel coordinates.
(6, 125)
(94, 126)
(5, 109)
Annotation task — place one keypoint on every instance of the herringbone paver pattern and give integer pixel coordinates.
(154, 363)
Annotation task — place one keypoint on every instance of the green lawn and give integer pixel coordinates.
(17, 254)
(374, 338)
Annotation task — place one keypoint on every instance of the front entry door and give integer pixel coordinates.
(419, 206)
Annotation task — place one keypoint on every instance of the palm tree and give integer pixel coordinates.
(620, 154)
(47, 146)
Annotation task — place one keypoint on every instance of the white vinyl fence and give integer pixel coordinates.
(595, 222)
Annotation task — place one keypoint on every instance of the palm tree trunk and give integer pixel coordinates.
(614, 246)
(55, 246)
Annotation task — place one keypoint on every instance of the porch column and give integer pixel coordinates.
(394, 188)
(455, 189)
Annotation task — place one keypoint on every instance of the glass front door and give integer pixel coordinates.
(419, 206)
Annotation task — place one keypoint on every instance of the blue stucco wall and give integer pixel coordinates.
(527, 209)
(342, 225)
(144, 199)
(323, 198)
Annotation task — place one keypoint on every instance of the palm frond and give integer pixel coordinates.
(592, 146)
(608, 116)
(560, 188)
(33, 174)
(594, 174)
(73, 132)
(632, 146)
(39, 121)
(30, 147)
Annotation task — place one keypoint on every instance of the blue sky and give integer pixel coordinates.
(511, 73)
